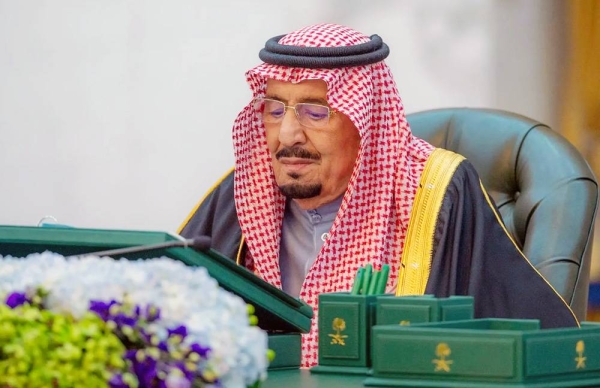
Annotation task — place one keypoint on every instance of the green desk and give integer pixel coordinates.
(304, 379)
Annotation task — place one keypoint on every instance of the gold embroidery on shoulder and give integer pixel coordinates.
(415, 264)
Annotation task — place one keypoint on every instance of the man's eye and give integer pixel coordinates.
(276, 112)
(316, 113)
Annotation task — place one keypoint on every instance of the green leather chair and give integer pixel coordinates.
(545, 191)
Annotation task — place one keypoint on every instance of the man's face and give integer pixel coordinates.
(311, 165)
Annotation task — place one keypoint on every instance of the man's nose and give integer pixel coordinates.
(291, 131)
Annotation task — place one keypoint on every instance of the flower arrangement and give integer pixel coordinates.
(99, 322)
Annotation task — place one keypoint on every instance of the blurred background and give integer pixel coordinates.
(117, 113)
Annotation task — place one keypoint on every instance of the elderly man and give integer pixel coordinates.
(329, 178)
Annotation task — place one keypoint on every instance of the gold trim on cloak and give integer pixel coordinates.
(512, 240)
(415, 265)
(195, 209)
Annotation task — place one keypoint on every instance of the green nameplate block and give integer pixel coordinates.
(485, 353)
(345, 322)
(406, 310)
(347, 350)
(287, 348)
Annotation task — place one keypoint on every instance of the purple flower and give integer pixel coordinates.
(122, 319)
(152, 313)
(189, 375)
(201, 350)
(145, 336)
(102, 308)
(130, 354)
(143, 366)
(116, 381)
(179, 330)
(162, 345)
(16, 299)
(146, 371)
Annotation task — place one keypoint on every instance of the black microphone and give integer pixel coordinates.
(201, 243)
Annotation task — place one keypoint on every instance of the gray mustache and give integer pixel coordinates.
(296, 153)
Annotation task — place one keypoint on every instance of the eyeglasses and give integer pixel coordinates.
(309, 115)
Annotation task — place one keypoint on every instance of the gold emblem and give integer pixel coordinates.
(580, 348)
(404, 323)
(338, 325)
(442, 351)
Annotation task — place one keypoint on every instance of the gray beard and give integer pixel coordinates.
(299, 191)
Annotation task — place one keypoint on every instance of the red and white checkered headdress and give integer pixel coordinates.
(371, 224)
